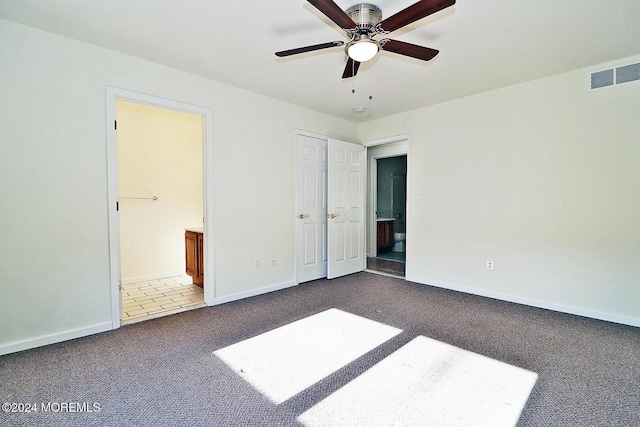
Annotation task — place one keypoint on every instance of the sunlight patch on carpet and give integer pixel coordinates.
(427, 382)
(285, 361)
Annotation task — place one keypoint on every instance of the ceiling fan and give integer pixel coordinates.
(362, 22)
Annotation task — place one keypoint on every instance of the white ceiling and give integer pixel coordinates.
(484, 45)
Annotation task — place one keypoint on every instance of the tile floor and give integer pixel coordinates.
(393, 256)
(156, 298)
(386, 267)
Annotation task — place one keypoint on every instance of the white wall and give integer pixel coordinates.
(542, 178)
(159, 155)
(54, 250)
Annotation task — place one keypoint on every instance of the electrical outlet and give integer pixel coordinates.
(257, 263)
(273, 261)
(489, 265)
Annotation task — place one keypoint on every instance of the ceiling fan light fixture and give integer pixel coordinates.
(363, 50)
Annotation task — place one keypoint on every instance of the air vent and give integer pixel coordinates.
(628, 73)
(602, 79)
(615, 76)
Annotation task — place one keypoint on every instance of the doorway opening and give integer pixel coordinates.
(160, 187)
(391, 213)
(387, 240)
(159, 158)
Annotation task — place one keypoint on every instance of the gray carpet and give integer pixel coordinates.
(163, 372)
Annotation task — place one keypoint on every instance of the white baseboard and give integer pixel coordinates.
(157, 276)
(54, 338)
(253, 293)
(547, 305)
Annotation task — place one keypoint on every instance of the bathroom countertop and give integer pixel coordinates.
(385, 219)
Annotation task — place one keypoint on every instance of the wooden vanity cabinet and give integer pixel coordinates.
(385, 238)
(194, 245)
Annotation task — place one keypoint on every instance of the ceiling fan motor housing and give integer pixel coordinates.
(366, 16)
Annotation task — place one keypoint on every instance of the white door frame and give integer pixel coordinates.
(112, 94)
(373, 181)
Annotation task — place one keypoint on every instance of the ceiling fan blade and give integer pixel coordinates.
(408, 49)
(333, 12)
(309, 48)
(414, 12)
(351, 69)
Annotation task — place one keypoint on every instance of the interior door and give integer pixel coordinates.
(345, 208)
(311, 213)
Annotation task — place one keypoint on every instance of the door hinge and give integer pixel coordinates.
(117, 206)
(115, 125)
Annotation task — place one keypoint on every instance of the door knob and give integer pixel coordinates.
(303, 216)
(333, 216)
